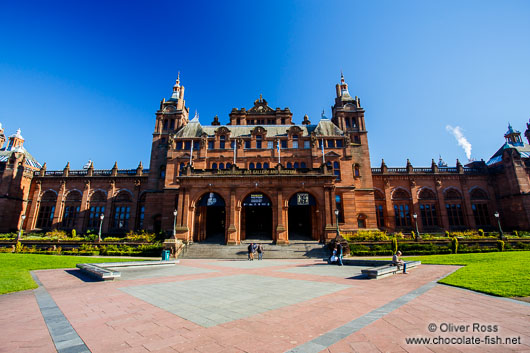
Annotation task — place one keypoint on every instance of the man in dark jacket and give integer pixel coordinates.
(251, 251)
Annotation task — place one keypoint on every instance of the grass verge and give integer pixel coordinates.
(504, 274)
(14, 268)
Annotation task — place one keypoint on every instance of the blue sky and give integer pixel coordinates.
(83, 80)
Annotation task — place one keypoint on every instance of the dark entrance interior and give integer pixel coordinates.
(210, 219)
(300, 223)
(301, 206)
(257, 209)
(215, 224)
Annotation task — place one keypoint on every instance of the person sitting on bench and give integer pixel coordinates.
(397, 261)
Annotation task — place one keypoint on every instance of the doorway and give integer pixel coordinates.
(257, 214)
(301, 214)
(210, 219)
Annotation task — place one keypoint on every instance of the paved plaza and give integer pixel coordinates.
(258, 306)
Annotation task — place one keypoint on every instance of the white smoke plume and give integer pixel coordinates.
(462, 141)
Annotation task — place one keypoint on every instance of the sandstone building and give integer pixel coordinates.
(261, 176)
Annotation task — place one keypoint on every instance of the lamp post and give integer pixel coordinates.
(175, 224)
(496, 214)
(19, 235)
(101, 216)
(337, 221)
(418, 237)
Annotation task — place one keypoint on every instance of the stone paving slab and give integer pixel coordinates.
(129, 273)
(213, 301)
(245, 264)
(326, 270)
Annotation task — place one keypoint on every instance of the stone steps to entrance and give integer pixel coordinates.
(295, 250)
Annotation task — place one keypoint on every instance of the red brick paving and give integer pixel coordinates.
(109, 320)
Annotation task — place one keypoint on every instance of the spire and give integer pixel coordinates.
(342, 89)
(195, 118)
(176, 89)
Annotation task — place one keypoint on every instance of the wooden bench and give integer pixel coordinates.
(102, 270)
(387, 270)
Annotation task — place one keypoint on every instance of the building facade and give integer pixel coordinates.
(261, 176)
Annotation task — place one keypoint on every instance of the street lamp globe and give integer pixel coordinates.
(175, 213)
(336, 212)
(415, 216)
(496, 214)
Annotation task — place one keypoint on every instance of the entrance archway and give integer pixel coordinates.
(257, 216)
(210, 218)
(301, 214)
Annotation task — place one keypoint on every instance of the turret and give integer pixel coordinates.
(15, 142)
(513, 137)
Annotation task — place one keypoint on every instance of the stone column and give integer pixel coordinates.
(444, 220)
(281, 231)
(83, 209)
(57, 215)
(231, 232)
(32, 215)
(107, 222)
(415, 205)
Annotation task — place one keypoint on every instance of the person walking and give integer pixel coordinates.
(250, 251)
(260, 252)
(339, 254)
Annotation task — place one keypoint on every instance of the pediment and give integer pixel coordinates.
(332, 154)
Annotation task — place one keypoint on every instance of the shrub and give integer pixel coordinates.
(90, 237)
(141, 237)
(500, 245)
(56, 234)
(74, 233)
(394, 245)
(447, 234)
(365, 235)
(113, 239)
(480, 233)
(413, 235)
(454, 245)
(18, 247)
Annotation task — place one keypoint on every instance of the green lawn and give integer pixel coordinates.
(506, 274)
(14, 268)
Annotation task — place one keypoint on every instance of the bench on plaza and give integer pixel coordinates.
(387, 270)
(102, 270)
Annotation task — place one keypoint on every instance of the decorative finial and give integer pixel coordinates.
(322, 113)
(115, 165)
(140, 165)
(260, 97)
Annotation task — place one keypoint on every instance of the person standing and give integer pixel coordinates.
(260, 252)
(254, 248)
(250, 251)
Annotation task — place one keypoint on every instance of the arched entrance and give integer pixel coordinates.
(210, 218)
(301, 213)
(257, 216)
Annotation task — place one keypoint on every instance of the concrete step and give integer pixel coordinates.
(298, 250)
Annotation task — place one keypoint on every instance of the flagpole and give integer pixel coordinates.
(191, 153)
(323, 153)
(235, 143)
(279, 151)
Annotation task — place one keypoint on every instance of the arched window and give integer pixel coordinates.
(361, 221)
(479, 205)
(140, 213)
(71, 209)
(289, 165)
(121, 211)
(356, 170)
(303, 165)
(46, 210)
(295, 165)
(214, 165)
(97, 208)
(251, 165)
(428, 208)
(221, 166)
(265, 165)
(401, 208)
(258, 165)
(228, 165)
(453, 206)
